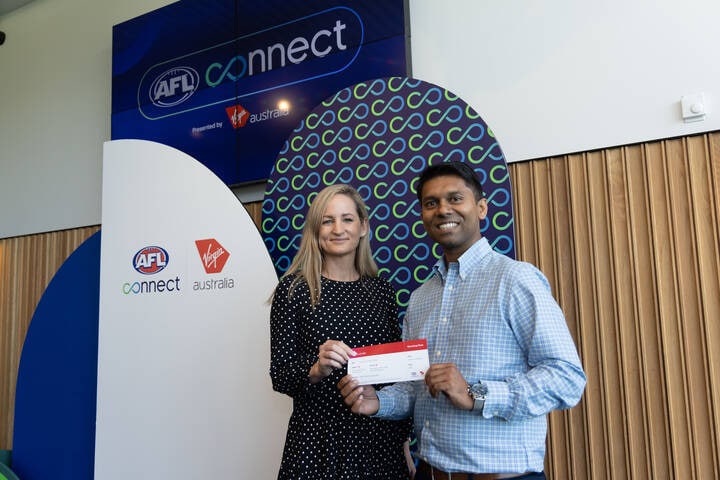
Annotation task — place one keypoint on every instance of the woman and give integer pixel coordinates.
(329, 301)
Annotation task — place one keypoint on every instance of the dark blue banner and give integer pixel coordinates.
(227, 81)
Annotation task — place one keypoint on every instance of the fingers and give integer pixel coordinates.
(340, 347)
(443, 373)
(349, 389)
(333, 354)
(446, 378)
(362, 399)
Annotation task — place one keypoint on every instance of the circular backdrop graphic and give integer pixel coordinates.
(378, 136)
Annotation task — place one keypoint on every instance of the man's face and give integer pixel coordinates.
(451, 214)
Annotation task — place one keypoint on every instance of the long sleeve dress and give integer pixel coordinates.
(325, 440)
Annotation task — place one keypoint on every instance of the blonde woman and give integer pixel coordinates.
(329, 301)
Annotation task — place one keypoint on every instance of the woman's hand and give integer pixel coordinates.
(331, 355)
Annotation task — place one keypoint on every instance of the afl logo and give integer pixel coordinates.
(174, 86)
(150, 260)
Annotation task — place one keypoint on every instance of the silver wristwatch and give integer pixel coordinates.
(477, 392)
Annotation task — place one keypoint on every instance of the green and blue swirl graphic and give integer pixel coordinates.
(378, 136)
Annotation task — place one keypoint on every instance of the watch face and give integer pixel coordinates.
(479, 390)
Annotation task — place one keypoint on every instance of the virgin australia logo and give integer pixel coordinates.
(212, 254)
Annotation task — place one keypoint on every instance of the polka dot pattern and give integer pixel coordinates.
(324, 439)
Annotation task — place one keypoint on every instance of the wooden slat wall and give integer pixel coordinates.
(629, 239)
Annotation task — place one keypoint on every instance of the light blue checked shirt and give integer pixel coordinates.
(496, 319)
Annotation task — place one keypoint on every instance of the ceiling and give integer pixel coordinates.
(10, 5)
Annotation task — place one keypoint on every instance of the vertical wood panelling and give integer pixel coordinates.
(602, 297)
(625, 300)
(693, 337)
(678, 232)
(650, 399)
(645, 267)
(628, 238)
(566, 429)
(588, 342)
(704, 277)
(708, 176)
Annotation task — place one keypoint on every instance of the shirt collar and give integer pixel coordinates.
(467, 261)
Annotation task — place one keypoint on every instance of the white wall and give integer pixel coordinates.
(563, 76)
(55, 70)
(548, 77)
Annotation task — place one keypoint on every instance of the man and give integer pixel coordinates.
(500, 351)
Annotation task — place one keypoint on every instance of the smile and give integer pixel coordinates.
(448, 225)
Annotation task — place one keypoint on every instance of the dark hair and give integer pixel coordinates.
(457, 169)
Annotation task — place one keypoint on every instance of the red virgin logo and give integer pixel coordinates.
(213, 255)
(238, 115)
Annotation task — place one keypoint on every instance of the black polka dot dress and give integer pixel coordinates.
(325, 440)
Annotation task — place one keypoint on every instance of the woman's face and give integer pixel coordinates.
(340, 227)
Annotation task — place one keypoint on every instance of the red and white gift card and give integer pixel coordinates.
(390, 362)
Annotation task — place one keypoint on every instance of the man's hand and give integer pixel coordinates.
(361, 399)
(446, 378)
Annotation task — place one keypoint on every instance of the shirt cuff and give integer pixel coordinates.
(386, 405)
(497, 400)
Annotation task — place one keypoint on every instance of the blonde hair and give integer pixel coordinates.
(308, 261)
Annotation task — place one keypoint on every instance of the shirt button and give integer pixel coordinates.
(427, 423)
(437, 353)
(450, 287)
(444, 319)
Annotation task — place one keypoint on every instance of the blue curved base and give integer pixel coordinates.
(54, 430)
